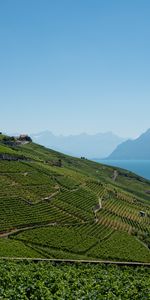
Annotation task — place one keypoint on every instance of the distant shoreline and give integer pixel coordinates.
(140, 167)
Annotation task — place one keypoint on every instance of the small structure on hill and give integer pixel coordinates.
(147, 192)
(58, 163)
(11, 157)
(24, 138)
(142, 214)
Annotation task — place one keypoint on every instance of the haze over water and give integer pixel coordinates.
(140, 167)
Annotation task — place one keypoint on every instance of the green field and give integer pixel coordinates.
(46, 281)
(57, 206)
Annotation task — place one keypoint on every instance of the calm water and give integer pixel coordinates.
(140, 167)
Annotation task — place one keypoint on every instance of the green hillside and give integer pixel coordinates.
(56, 206)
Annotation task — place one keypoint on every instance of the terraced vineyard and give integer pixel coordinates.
(57, 206)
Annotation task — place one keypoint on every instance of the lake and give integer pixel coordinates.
(140, 167)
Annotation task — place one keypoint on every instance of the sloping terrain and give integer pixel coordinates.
(138, 149)
(56, 206)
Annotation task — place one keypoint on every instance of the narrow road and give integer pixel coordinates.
(17, 230)
(115, 175)
(107, 262)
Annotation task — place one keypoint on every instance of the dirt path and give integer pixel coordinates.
(51, 196)
(115, 175)
(100, 203)
(107, 262)
(17, 230)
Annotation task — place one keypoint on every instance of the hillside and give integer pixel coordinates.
(57, 206)
(96, 145)
(133, 149)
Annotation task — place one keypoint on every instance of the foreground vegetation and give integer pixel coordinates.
(56, 206)
(46, 281)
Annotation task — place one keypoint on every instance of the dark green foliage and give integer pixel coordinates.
(46, 281)
(88, 241)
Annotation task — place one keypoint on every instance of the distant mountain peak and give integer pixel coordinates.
(146, 133)
(89, 145)
(133, 149)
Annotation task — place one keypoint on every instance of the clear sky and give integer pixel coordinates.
(73, 66)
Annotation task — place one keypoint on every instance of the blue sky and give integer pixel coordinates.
(73, 66)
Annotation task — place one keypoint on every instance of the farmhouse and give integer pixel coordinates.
(24, 137)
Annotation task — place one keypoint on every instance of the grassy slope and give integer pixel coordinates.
(36, 192)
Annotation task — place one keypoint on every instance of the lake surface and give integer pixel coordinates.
(140, 167)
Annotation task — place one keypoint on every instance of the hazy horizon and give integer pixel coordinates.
(59, 134)
(63, 134)
(75, 66)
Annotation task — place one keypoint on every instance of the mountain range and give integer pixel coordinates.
(133, 149)
(91, 146)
